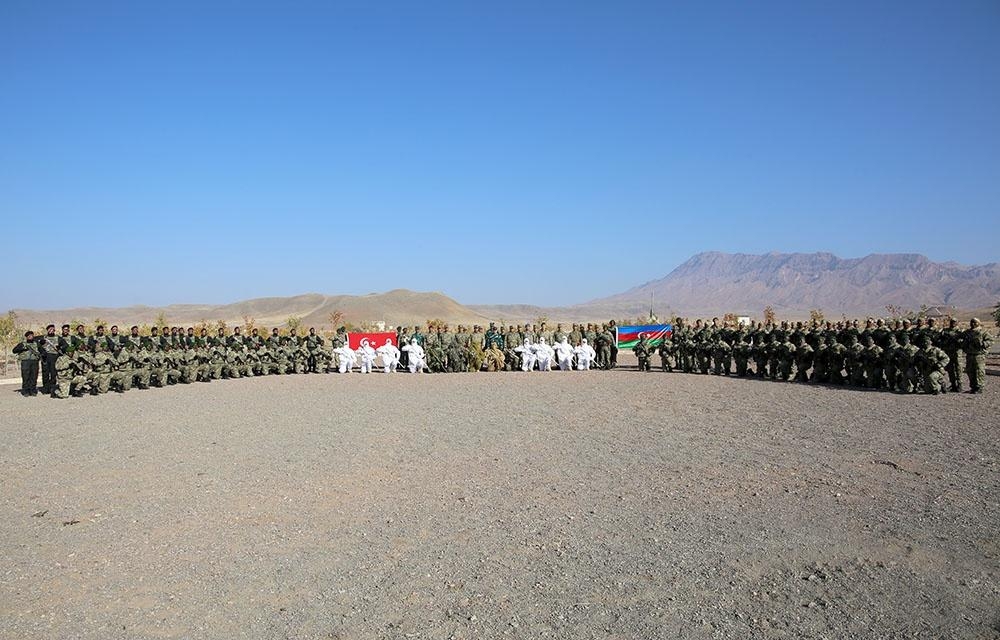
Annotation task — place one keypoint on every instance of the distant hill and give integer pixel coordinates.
(396, 307)
(707, 284)
(794, 283)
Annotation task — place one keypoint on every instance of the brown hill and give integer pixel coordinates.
(395, 307)
(794, 283)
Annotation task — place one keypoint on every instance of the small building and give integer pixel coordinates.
(940, 311)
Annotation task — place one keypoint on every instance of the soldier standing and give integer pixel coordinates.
(976, 343)
(952, 340)
(51, 347)
(28, 353)
(613, 329)
(643, 353)
(79, 339)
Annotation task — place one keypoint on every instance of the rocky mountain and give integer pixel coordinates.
(794, 283)
(707, 284)
(395, 307)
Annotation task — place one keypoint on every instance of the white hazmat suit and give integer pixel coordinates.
(564, 354)
(543, 354)
(347, 358)
(367, 356)
(416, 356)
(390, 356)
(585, 354)
(527, 351)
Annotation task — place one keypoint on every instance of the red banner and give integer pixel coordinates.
(376, 340)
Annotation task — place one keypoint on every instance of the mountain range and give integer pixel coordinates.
(710, 283)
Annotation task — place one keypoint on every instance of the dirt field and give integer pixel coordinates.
(601, 505)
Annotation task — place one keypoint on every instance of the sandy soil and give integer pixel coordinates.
(602, 505)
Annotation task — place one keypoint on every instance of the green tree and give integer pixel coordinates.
(293, 322)
(996, 314)
(161, 321)
(9, 331)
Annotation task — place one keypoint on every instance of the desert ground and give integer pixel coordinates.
(564, 505)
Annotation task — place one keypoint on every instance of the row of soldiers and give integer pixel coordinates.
(496, 348)
(77, 363)
(903, 356)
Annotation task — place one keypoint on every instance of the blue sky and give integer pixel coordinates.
(545, 153)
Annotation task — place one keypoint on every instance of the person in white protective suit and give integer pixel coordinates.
(585, 354)
(564, 354)
(527, 351)
(367, 356)
(543, 354)
(390, 356)
(415, 355)
(347, 358)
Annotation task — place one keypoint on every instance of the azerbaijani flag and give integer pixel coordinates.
(655, 333)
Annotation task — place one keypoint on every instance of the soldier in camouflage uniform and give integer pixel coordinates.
(872, 359)
(66, 370)
(905, 363)
(722, 354)
(643, 353)
(28, 354)
(666, 351)
(952, 341)
(133, 340)
(511, 339)
(436, 357)
(932, 362)
(456, 355)
(836, 360)
(976, 343)
(803, 359)
(104, 365)
(122, 376)
(742, 351)
(855, 360)
(760, 353)
(157, 370)
(51, 346)
(494, 357)
(786, 357)
(889, 362)
(140, 364)
(314, 344)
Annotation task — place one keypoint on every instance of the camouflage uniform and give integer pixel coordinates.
(905, 364)
(28, 355)
(104, 365)
(803, 359)
(932, 362)
(643, 352)
(976, 343)
(952, 341)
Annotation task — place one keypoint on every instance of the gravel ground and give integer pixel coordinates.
(610, 504)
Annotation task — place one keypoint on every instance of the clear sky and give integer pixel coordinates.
(545, 153)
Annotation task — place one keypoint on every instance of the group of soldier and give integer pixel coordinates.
(901, 356)
(528, 347)
(78, 363)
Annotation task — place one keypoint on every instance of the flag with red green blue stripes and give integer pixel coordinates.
(628, 337)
